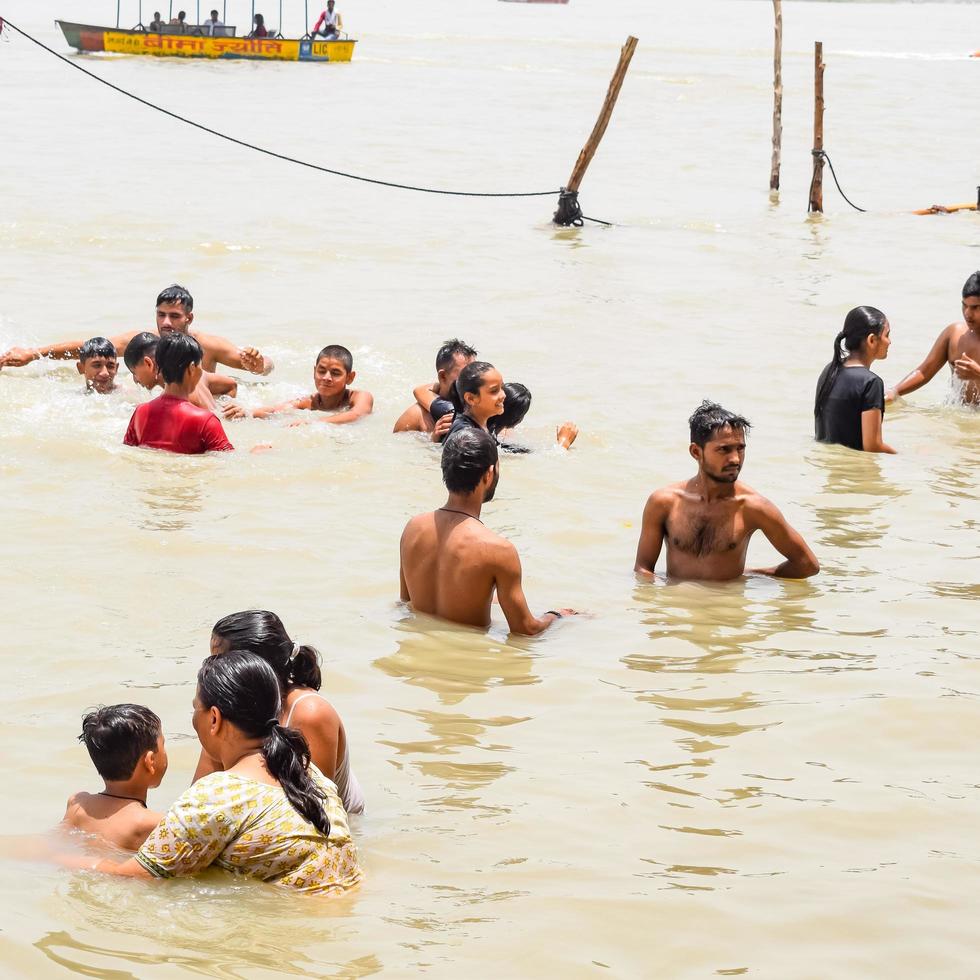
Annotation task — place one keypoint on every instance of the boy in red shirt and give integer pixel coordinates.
(170, 421)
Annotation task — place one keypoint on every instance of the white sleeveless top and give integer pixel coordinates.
(348, 788)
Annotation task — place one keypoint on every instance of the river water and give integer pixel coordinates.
(765, 778)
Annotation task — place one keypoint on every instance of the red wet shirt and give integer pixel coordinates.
(176, 425)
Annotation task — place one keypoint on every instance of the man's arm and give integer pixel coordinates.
(510, 592)
(927, 370)
(800, 560)
(296, 404)
(425, 395)
(652, 533)
(67, 350)
(244, 358)
(221, 384)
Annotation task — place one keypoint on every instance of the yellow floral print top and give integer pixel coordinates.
(250, 828)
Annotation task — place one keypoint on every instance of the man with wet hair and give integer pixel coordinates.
(98, 364)
(451, 564)
(174, 312)
(451, 358)
(959, 347)
(706, 522)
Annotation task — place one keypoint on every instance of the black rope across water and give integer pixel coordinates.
(260, 149)
(820, 154)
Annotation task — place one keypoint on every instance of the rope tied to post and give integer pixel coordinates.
(822, 155)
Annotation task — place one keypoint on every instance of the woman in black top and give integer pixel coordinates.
(850, 403)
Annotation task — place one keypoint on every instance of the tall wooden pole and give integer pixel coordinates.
(568, 212)
(777, 97)
(816, 183)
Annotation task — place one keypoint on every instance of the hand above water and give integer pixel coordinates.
(443, 426)
(567, 434)
(18, 357)
(966, 368)
(235, 411)
(252, 360)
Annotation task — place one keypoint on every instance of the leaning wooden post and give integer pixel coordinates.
(569, 212)
(777, 97)
(816, 183)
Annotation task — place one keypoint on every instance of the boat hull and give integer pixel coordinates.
(85, 37)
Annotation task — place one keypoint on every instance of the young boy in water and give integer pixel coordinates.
(140, 358)
(171, 422)
(333, 374)
(98, 364)
(125, 742)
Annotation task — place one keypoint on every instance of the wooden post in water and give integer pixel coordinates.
(568, 212)
(816, 183)
(777, 97)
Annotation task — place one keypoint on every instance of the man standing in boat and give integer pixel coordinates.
(332, 24)
(174, 314)
(211, 23)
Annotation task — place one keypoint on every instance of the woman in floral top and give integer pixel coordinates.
(270, 814)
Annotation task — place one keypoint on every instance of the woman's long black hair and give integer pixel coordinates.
(245, 689)
(858, 325)
(261, 632)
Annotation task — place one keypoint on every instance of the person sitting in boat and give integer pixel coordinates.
(211, 23)
(332, 24)
(180, 21)
(259, 30)
(157, 23)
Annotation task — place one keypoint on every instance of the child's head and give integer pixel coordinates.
(481, 390)
(141, 359)
(333, 370)
(451, 358)
(178, 358)
(125, 742)
(516, 406)
(98, 364)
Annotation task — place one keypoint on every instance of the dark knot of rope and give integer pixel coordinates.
(569, 212)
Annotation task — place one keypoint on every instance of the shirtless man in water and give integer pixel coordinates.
(451, 358)
(175, 312)
(707, 521)
(958, 346)
(450, 563)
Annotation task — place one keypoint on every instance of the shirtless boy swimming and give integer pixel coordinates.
(98, 365)
(125, 741)
(451, 358)
(451, 564)
(333, 373)
(174, 313)
(706, 522)
(140, 358)
(958, 346)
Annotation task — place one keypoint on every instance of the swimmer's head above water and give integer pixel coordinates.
(971, 302)
(261, 632)
(98, 364)
(175, 310)
(140, 357)
(451, 358)
(121, 738)
(333, 371)
(516, 405)
(469, 464)
(718, 441)
(178, 358)
(481, 390)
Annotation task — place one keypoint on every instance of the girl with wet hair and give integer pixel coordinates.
(850, 402)
(297, 668)
(268, 813)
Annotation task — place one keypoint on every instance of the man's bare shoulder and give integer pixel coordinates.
(753, 501)
(664, 496)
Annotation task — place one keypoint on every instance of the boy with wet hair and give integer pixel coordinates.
(171, 422)
(433, 400)
(126, 744)
(140, 358)
(98, 364)
(333, 373)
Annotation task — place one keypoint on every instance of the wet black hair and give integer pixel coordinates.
(516, 406)
(449, 350)
(176, 294)
(117, 735)
(859, 323)
(466, 456)
(337, 353)
(244, 688)
(97, 347)
(709, 417)
(261, 632)
(972, 285)
(470, 379)
(175, 353)
(142, 345)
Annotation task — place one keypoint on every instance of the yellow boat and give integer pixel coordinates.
(184, 40)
